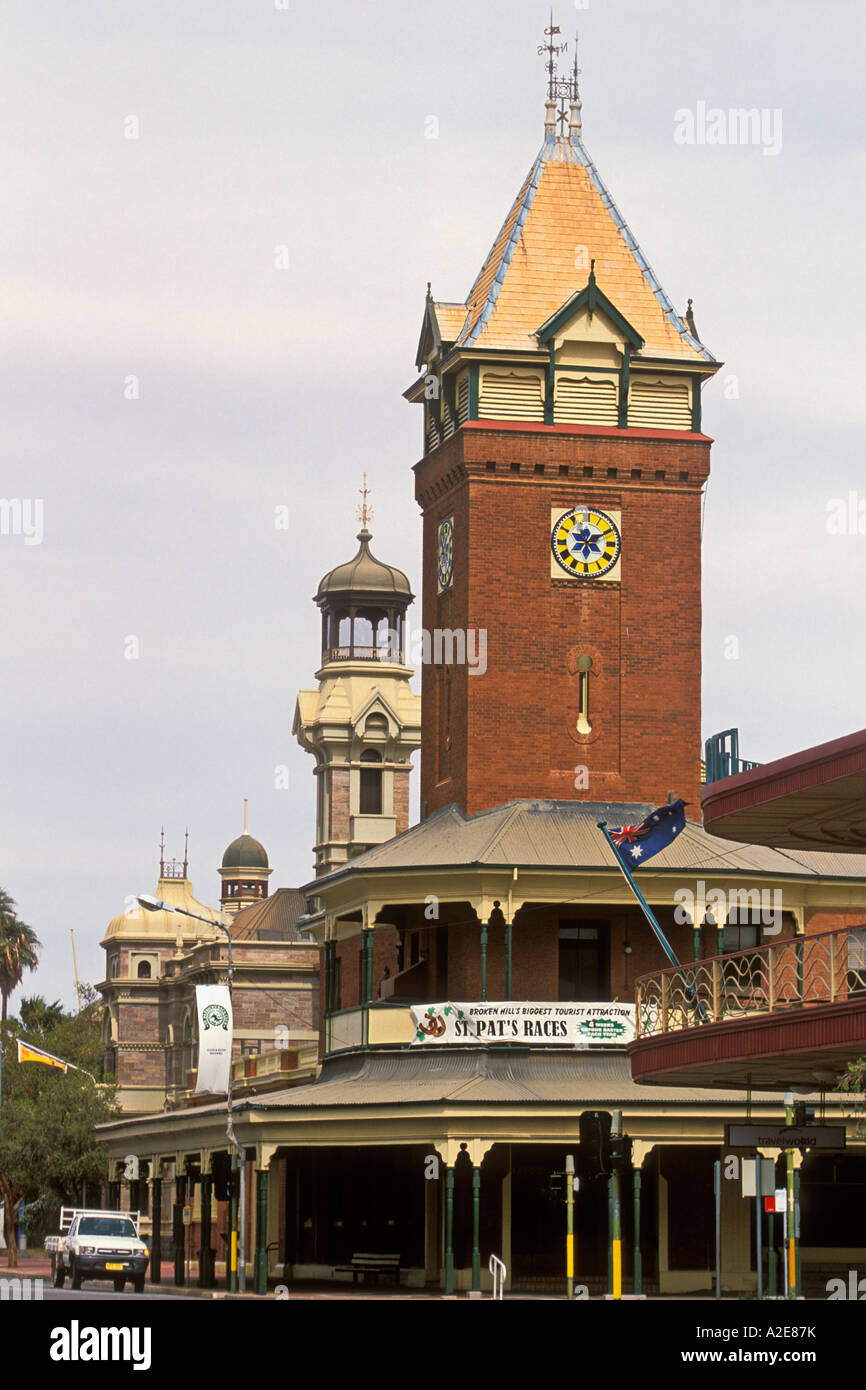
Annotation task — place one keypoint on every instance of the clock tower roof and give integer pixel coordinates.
(561, 222)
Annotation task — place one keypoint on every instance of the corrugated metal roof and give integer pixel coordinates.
(562, 217)
(478, 1076)
(565, 834)
(273, 919)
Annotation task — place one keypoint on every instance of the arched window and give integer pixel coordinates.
(370, 799)
(144, 970)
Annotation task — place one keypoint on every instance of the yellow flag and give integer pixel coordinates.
(26, 1053)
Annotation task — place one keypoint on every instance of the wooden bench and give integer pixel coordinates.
(371, 1264)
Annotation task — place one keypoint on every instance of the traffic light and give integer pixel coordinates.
(593, 1156)
(556, 1189)
(620, 1153)
(224, 1177)
(803, 1114)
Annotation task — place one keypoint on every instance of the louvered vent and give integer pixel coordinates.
(432, 432)
(510, 398)
(584, 401)
(448, 425)
(659, 405)
(463, 399)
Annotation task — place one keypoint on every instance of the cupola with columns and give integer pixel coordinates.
(244, 872)
(364, 721)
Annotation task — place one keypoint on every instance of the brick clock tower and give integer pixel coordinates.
(561, 489)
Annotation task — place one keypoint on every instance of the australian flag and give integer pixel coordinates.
(637, 843)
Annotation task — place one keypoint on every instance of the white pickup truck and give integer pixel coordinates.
(98, 1245)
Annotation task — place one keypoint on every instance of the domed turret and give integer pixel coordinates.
(364, 576)
(245, 853)
(363, 605)
(364, 722)
(244, 871)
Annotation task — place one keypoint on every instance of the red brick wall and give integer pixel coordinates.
(339, 817)
(401, 800)
(831, 919)
(512, 730)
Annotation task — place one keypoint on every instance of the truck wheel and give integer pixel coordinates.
(59, 1272)
(138, 1283)
(119, 1284)
(74, 1275)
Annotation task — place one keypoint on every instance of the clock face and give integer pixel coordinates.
(445, 554)
(586, 543)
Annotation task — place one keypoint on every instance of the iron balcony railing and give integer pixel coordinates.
(390, 654)
(827, 968)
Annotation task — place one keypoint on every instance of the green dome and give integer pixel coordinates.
(364, 575)
(245, 853)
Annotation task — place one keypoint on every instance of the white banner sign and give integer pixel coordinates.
(214, 1008)
(581, 1025)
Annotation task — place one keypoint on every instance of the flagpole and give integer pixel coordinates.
(691, 993)
(660, 936)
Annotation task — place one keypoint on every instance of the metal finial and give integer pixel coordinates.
(363, 512)
(552, 50)
(162, 852)
(575, 124)
(559, 90)
(185, 851)
(246, 799)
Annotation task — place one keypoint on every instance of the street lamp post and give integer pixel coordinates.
(236, 1270)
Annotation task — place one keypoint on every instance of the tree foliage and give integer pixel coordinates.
(19, 949)
(38, 1016)
(47, 1118)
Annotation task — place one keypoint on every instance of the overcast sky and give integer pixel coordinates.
(304, 126)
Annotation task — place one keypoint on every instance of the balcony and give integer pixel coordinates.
(378, 1025)
(789, 1009)
(516, 1023)
(372, 830)
(394, 655)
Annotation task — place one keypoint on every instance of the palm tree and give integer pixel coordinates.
(19, 949)
(38, 1016)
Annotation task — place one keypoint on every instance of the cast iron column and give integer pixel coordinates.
(156, 1231)
(449, 1230)
(483, 960)
(205, 1276)
(637, 1281)
(260, 1267)
(476, 1228)
(179, 1229)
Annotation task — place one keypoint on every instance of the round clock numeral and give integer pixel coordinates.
(586, 542)
(445, 553)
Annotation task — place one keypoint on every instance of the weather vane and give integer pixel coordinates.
(363, 512)
(561, 89)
